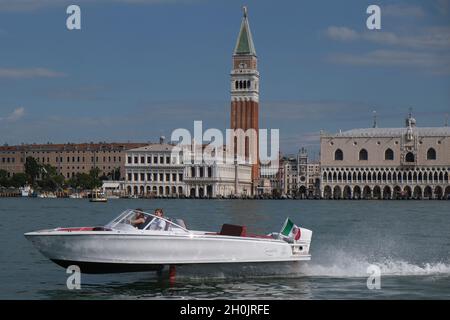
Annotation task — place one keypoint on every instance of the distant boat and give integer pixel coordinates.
(98, 197)
(113, 197)
(26, 191)
(49, 195)
(76, 196)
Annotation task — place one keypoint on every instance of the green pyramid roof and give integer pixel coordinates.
(244, 44)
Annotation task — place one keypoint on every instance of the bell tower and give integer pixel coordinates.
(245, 93)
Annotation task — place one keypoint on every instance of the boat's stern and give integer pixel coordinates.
(300, 247)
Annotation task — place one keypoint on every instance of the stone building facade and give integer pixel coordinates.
(153, 170)
(386, 163)
(301, 177)
(157, 170)
(69, 159)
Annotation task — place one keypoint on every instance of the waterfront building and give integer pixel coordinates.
(213, 180)
(113, 188)
(156, 170)
(271, 174)
(245, 97)
(69, 159)
(386, 163)
(301, 176)
(153, 170)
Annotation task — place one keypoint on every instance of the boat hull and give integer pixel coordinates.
(111, 252)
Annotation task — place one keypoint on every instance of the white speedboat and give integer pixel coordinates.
(121, 247)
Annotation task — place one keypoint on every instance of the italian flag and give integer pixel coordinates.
(290, 230)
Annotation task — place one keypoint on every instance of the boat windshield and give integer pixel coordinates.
(136, 219)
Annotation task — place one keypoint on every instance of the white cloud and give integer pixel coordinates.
(426, 38)
(17, 114)
(429, 38)
(341, 33)
(28, 73)
(434, 63)
(428, 48)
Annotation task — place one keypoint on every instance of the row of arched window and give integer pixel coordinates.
(161, 191)
(383, 176)
(242, 84)
(388, 155)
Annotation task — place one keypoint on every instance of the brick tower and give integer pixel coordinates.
(245, 94)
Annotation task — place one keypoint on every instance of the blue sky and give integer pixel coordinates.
(140, 68)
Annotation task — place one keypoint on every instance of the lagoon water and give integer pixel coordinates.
(408, 240)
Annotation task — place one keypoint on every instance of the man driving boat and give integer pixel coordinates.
(139, 219)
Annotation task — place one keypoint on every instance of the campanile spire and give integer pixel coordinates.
(244, 43)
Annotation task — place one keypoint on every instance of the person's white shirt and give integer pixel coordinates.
(158, 224)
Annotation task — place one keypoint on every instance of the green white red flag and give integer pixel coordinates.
(290, 230)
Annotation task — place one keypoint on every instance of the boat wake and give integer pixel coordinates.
(343, 264)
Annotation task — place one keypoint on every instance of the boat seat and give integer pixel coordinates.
(181, 223)
(233, 230)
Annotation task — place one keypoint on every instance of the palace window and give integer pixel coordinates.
(338, 155)
(389, 154)
(431, 154)
(409, 157)
(363, 155)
